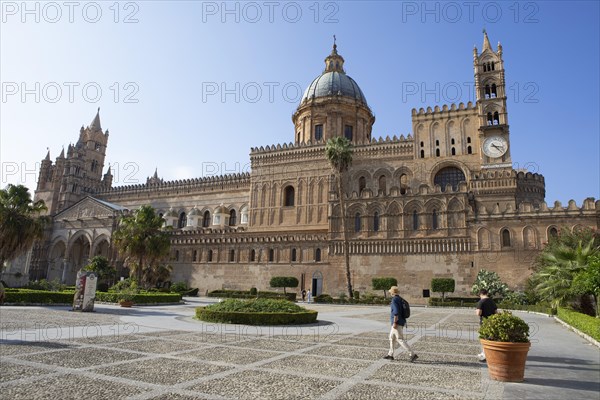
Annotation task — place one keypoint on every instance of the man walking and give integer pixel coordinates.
(485, 307)
(398, 321)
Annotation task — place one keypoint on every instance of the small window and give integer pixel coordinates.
(469, 150)
(468, 139)
(490, 119)
(415, 221)
(176, 255)
(362, 184)
(293, 255)
(289, 196)
(376, 222)
(496, 118)
(318, 132)
(452, 141)
(182, 220)
(422, 153)
(206, 219)
(209, 258)
(437, 152)
(232, 218)
(453, 151)
(505, 238)
(271, 255)
(382, 184)
(357, 222)
(553, 232)
(434, 219)
(422, 144)
(231, 255)
(252, 255)
(348, 132)
(437, 142)
(403, 183)
(195, 256)
(318, 255)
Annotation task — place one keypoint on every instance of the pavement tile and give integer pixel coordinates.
(157, 345)
(450, 360)
(81, 357)
(164, 333)
(375, 392)
(231, 355)
(69, 386)
(112, 338)
(9, 348)
(253, 385)
(173, 396)
(352, 352)
(430, 377)
(203, 337)
(318, 365)
(11, 371)
(377, 343)
(161, 371)
(447, 348)
(274, 344)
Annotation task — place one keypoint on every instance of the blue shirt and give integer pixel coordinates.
(396, 309)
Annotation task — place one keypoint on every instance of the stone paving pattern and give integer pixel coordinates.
(341, 358)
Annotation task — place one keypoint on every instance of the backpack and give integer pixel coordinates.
(405, 308)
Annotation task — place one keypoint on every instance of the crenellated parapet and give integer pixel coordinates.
(444, 112)
(527, 209)
(221, 182)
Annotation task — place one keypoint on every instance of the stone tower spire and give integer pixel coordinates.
(95, 125)
(486, 42)
(334, 62)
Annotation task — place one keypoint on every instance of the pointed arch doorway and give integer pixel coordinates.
(317, 283)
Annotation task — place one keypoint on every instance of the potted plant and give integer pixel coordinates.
(505, 341)
(126, 295)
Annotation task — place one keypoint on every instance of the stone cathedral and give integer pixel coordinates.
(443, 201)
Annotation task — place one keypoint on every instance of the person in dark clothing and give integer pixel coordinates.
(485, 307)
(398, 321)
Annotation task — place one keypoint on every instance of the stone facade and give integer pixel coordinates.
(441, 202)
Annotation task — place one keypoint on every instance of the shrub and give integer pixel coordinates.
(384, 284)
(192, 292)
(30, 296)
(443, 286)
(515, 298)
(491, 281)
(323, 298)
(504, 327)
(179, 287)
(53, 285)
(140, 298)
(256, 312)
(125, 283)
(453, 302)
(283, 281)
(240, 294)
(253, 291)
(585, 323)
(356, 295)
(544, 308)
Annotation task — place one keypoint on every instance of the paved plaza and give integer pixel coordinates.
(163, 353)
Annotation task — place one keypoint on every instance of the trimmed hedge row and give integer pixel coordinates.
(257, 318)
(585, 323)
(453, 302)
(241, 294)
(30, 296)
(140, 298)
(541, 308)
(365, 299)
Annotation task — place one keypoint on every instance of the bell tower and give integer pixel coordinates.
(490, 91)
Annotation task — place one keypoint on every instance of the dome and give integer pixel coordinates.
(333, 83)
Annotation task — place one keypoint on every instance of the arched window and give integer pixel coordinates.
(289, 196)
(415, 222)
(348, 132)
(362, 184)
(422, 153)
(318, 132)
(357, 222)
(553, 233)
(271, 255)
(232, 218)
(490, 119)
(209, 258)
(252, 255)
(494, 92)
(231, 255)
(403, 183)
(468, 139)
(176, 255)
(487, 91)
(382, 184)
(434, 219)
(453, 151)
(484, 67)
(493, 66)
(182, 220)
(206, 219)
(452, 141)
(449, 175)
(317, 255)
(195, 255)
(293, 255)
(469, 150)
(376, 222)
(505, 238)
(437, 152)
(496, 118)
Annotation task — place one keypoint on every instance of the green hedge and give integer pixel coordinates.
(140, 298)
(541, 308)
(364, 299)
(241, 294)
(256, 318)
(453, 302)
(30, 296)
(584, 323)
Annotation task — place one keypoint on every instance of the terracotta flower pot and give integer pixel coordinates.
(126, 303)
(506, 360)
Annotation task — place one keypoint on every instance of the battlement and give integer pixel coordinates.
(589, 206)
(444, 111)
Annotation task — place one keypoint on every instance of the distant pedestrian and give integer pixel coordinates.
(398, 320)
(485, 307)
(308, 296)
(303, 295)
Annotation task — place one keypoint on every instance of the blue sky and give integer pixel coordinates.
(190, 86)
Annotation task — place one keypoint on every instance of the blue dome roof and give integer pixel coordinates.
(334, 83)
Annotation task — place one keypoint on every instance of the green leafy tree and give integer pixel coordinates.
(338, 151)
(21, 222)
(588, 281)
(384, 283)
(443, 286)
(490, 281)
(140, 237)
(283, 281)
(102, 268)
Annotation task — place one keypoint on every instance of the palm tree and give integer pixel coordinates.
(560, 266)
(141, 238)
(338, 151)
(20, 222)
(157, 273)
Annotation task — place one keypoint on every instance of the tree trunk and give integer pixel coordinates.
(345, 235)
(139, 271)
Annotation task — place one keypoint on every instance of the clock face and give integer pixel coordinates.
(495, 146)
